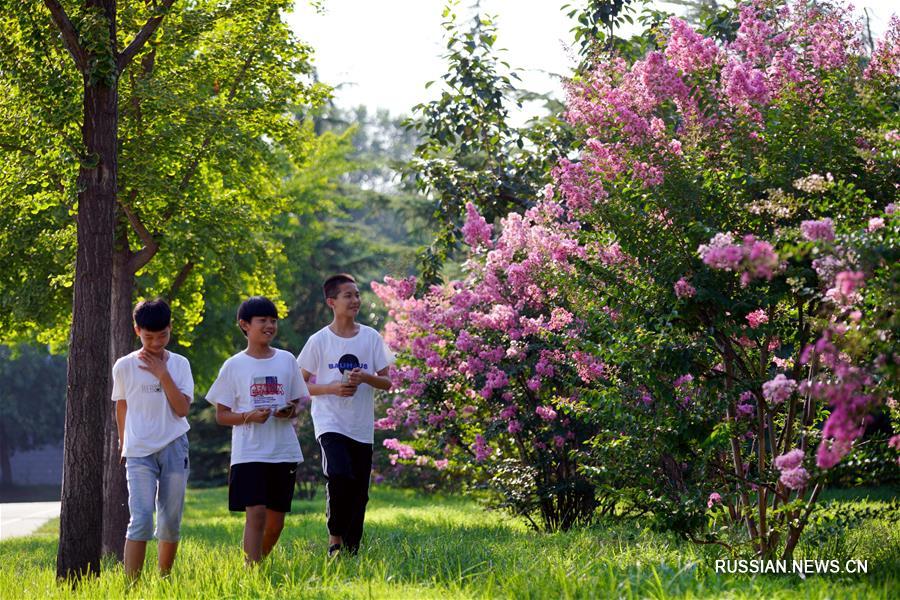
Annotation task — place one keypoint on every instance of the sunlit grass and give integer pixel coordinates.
(420, 546)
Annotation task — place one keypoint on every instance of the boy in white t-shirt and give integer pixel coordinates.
(348, 361)
(152, 389)
(257, 392)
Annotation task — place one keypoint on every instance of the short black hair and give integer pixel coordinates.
(256, 306)
(331, 285)
(152, 315)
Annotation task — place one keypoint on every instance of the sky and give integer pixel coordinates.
(380, 53)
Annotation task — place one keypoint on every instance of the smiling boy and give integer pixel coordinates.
(257, 393)
(349, 361)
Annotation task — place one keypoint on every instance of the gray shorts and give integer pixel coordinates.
(166, 470)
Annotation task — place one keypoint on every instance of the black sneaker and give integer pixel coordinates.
(334, 550)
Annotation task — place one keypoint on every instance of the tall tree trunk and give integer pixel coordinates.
(5, 466)
(88, 372)
(115, 489)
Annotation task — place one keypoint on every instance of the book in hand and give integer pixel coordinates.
(284, 409)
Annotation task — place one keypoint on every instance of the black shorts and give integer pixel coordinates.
(259, 483)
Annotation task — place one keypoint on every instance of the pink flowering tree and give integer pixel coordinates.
(747, 324)
(492, 367)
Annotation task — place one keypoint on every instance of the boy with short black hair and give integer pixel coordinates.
(254, 385)
(152, 389)
(349, 361)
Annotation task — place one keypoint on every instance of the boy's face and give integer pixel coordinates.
(346, 303)
(260, 330)
(154, 342)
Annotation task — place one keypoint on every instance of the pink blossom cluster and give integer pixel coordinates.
(404, 451)
(754, 259)
(846, 283)
(688, 50)
(481, 449)
(630, 132)
(684, 289)
(461, 343)
(845, 387)
(545, 412)
(779, 389)
(818, 230)
(745, 407)
(476, 231)
(885, 61)
(588, 366)
(757, 317)
(714, 498)
(793, 475)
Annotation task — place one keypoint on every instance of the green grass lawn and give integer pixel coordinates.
(420, 546)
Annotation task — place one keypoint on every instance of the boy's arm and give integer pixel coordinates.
(178, 401)
(121, 409)
(226, 416)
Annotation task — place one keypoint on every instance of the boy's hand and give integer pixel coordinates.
(257, 415)
(344, 390)
(288, 412)
(356, 377)
(154, 364)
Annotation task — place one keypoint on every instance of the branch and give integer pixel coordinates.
(180, 279)
(151, 246)
(14, 148)
(70, 36)
(143, 35)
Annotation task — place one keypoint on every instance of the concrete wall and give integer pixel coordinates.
(42, 466)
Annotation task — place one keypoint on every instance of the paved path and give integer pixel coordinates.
(22, 518)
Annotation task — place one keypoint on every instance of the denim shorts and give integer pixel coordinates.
(166, 470)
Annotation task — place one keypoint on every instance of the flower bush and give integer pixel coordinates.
(697, 319)
(492, 369)
(749, 182)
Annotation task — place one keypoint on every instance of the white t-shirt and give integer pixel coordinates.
(246, 383)
(327, 355)
(150, 422)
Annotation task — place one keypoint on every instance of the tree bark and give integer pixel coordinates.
(115, 488)
(88, 371)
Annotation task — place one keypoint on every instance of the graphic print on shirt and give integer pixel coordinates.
(266, 392)
(348, 362)
(151, 388)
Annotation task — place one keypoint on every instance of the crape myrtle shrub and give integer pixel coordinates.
(492, 369)
(697, 319)
(750, 186)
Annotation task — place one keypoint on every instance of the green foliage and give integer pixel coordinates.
(207, 136)
(597, 23)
